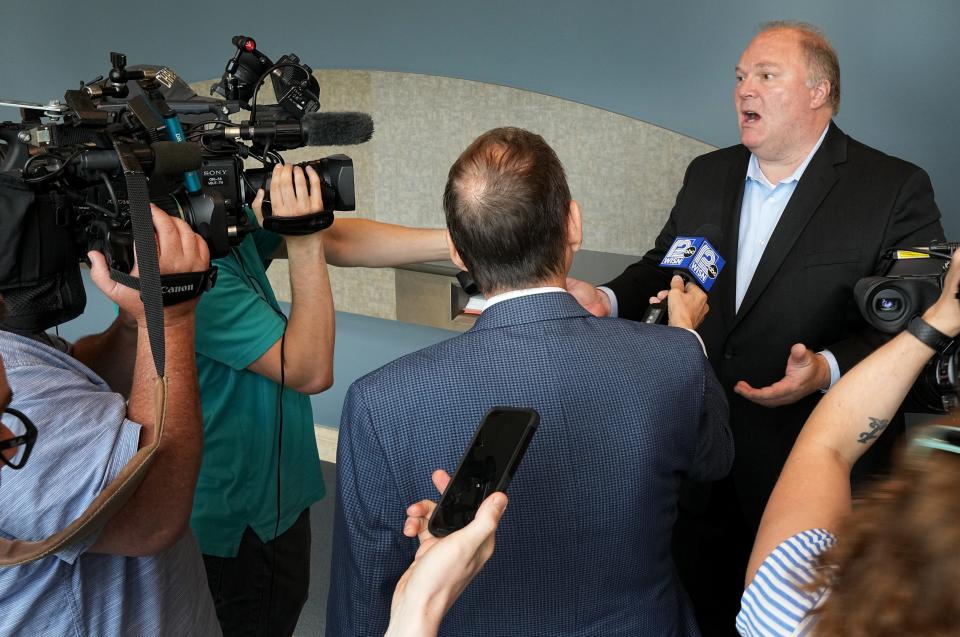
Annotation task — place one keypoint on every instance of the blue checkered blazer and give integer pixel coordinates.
(627, 410)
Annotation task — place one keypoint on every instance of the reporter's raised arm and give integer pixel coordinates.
(373, 244)
(307, 344)
(814, 487)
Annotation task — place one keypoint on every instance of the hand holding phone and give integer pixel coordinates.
(443, 567)
(487, 466)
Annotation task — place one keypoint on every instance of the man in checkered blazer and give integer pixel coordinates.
(627, 410)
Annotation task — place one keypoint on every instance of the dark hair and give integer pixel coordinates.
(822, 60)
(896, 567)
(506, 204)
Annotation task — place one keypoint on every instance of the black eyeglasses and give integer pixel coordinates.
(15, 450)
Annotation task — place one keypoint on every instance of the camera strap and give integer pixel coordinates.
(103, 507)
(148, 262)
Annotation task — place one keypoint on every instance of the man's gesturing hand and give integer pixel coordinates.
(806, 373)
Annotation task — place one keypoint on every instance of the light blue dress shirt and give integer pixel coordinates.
(763, 205)
(83, 442)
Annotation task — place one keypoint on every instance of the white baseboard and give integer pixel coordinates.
(327, 442)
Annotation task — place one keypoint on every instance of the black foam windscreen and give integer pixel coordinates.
(336, 129)
(711, 233)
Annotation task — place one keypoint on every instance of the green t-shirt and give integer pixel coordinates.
(237, 322)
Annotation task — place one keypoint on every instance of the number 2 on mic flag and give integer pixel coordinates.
(697, 257)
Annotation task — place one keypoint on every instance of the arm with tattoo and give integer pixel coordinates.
(814, 487)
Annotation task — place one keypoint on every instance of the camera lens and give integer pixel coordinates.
(336, 181)
(887, 305)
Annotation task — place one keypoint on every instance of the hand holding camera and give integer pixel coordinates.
(944, 314)
(290, 200)
(180, 250)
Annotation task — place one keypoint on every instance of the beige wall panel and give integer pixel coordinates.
(625, 173)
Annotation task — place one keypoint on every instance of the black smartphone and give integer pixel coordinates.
(487, 466)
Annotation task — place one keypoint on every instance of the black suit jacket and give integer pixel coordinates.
(851, 203)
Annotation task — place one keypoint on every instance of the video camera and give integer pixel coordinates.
(912, 282)
(65, 170)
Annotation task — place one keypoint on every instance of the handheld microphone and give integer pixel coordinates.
(693, 259)
(314, 129)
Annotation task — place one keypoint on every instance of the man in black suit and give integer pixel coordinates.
(805, 211)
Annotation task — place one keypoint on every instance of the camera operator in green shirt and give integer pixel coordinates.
(260, 471)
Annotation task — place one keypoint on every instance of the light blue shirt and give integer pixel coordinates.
(83, 442)
(763, 205)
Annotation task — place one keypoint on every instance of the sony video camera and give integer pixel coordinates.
(293, 122)
(913, 282)
(65, 169)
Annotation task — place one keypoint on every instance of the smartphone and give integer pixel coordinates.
(488, 465)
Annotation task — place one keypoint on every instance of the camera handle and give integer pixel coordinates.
(299, 225)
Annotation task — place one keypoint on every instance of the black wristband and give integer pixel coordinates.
(300, 225)
(928, 334)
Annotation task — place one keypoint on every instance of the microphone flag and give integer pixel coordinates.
(695, 258)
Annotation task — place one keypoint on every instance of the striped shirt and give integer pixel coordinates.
(775, 603)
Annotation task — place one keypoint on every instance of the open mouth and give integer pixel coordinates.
(750, 117)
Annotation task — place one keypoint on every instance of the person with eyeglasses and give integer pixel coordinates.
(141, 573)
(443, 568)
(889, 563)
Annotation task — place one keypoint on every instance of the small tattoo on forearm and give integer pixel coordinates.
(876, 428)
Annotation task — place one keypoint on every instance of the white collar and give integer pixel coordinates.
(513, 294)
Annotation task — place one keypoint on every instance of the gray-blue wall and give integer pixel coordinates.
(667, 63)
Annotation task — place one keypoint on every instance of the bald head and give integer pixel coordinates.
(507, 205)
